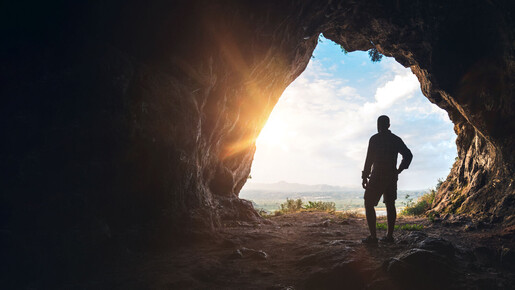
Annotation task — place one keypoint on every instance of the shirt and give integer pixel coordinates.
(383, 149)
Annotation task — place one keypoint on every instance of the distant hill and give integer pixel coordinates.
(283, 186)
(282, 190)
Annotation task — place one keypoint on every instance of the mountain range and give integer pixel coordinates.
(282, 190)
(283, 186)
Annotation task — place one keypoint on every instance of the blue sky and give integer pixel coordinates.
(319, 130)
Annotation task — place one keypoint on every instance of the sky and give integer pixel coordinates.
(319, 130)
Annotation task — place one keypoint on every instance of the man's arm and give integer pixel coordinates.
(406, 157)
(369, 160)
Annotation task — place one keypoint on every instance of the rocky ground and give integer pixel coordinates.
(315, 250)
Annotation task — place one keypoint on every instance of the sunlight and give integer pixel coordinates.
(275, 133)
(319, 129)
(314, 143)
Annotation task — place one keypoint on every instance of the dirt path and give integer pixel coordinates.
(321, 251)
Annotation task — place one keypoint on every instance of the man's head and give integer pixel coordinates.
(383, 123)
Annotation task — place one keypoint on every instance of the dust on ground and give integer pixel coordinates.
(319, 250)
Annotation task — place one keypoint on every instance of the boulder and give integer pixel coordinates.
(420, 269)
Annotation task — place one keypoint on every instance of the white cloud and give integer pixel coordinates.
(402, 86)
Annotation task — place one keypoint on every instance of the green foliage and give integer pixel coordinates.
(431, 217)
(457, 202)
(421, 206)
(341, 216)
(320, 206)
(296, 205)
(409, 201)
(406, 227)
(343, 49)
(411, 227)
(375, 55)
(383, 226)
(291, 205)
(352, 214)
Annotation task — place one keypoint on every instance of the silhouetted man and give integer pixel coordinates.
(380, 176)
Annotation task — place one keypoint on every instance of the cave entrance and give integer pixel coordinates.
(314, 143)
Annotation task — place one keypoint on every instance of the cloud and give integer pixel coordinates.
(402, 86)
(319, 129)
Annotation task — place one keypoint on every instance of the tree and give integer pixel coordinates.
(375, 56)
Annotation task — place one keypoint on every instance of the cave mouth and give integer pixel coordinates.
(119, 118)
(318, 131)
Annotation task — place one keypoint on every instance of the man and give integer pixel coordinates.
(380, 176)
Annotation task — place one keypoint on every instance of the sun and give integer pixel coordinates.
(274, 132)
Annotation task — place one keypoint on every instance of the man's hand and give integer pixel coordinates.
(364, 178)
(364, 183)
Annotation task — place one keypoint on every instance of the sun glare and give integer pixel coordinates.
(273, 132)
(318, 131)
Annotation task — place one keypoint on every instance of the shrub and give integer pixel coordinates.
(291, 205)
(320, 206)
(431, 217)
(350, 214)
(296, 205)
(420, 207)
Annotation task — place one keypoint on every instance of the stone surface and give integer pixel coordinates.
(440, 246)
(345, 275)
(420, 268)
(130, 122)
(253, 254)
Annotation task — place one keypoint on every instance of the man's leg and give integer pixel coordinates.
(391, 215)
(371, 218)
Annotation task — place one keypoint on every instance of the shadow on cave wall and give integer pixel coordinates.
(126, 121)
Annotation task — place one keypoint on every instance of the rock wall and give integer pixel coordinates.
(131, 124)
(127, 121)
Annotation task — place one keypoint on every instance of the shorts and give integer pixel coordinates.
(377, 186)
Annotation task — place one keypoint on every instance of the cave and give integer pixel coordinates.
(132, 124)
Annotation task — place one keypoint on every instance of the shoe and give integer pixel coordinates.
(387, 240)
(369, 240)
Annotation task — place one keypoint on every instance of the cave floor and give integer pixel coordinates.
(317, 250)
